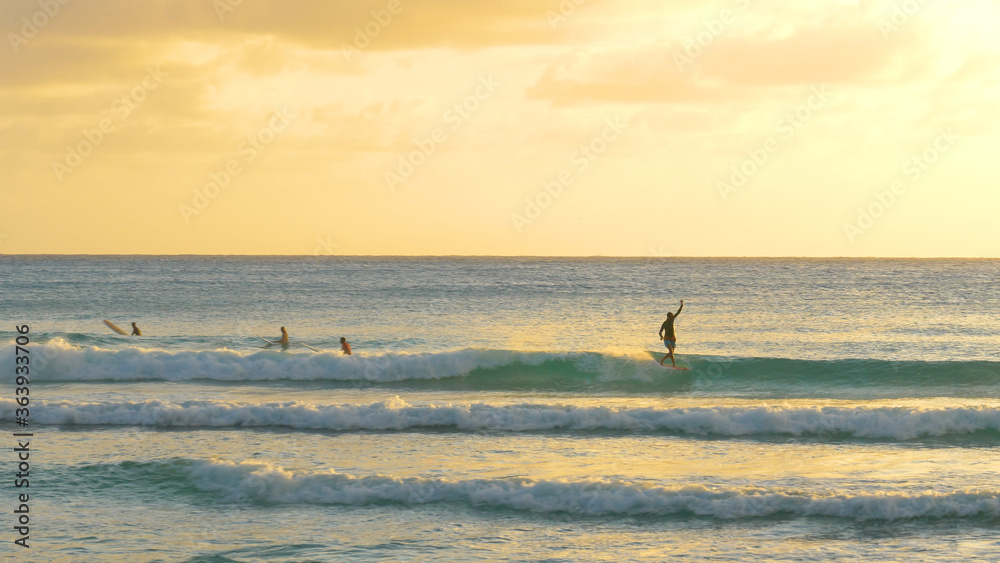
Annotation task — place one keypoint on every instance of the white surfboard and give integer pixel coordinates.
(276, 343)
(115, 327)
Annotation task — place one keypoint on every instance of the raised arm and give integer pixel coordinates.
(679, 309)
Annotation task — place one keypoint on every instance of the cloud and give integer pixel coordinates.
(101, 44)
(323, 24)
(727, 68)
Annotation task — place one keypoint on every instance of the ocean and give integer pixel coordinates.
(500, 409)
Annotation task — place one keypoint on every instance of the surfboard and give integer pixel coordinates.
(115, 327)
(308, 346)
(264, 339)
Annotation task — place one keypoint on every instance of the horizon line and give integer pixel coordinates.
(580, 256)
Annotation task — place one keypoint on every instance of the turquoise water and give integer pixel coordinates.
(507, 409)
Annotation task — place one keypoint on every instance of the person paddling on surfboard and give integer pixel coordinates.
(135, 330)
(668, 337)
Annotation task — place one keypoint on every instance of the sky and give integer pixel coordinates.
(501, 127)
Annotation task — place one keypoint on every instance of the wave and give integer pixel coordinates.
(892, 423)
(474, 369)
(265, 484)
(58, 360)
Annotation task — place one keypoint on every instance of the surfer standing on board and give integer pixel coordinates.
(668, 337)
(135, 330)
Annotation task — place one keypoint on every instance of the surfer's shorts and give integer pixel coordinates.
(670, 342)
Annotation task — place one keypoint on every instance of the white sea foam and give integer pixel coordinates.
(896, 423)
(248, 482)
(60, 361)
